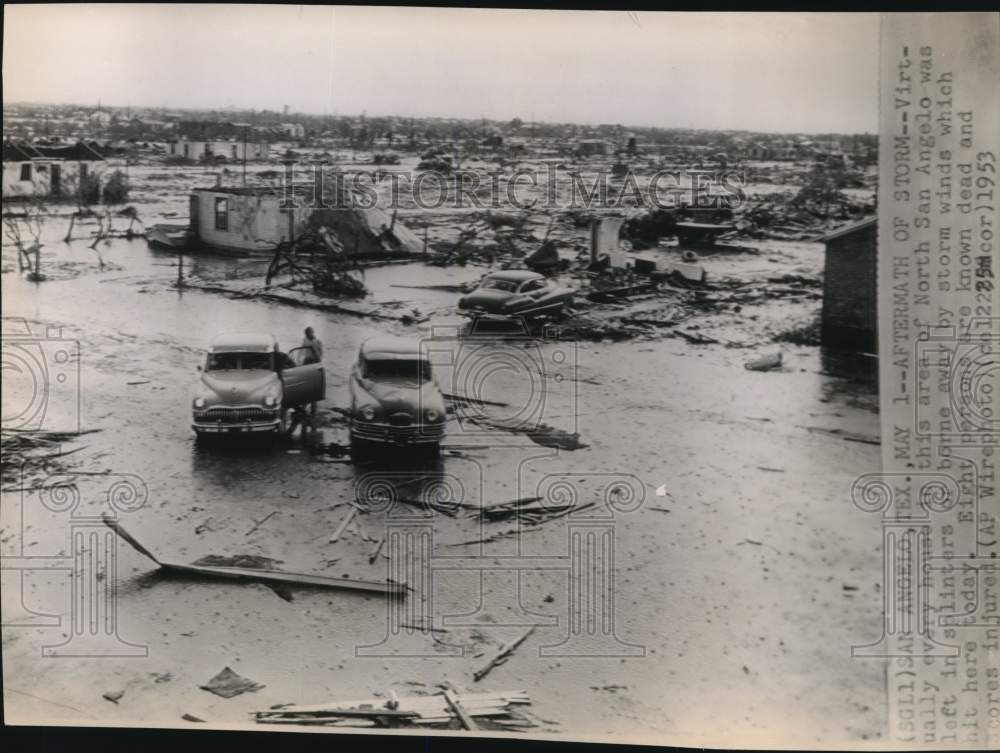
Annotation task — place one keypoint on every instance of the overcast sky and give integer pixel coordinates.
(768, 72)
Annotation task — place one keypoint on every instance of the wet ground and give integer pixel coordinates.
(741, 568)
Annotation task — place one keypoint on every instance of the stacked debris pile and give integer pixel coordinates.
(317, 259)
(495, 711)
(25, 453)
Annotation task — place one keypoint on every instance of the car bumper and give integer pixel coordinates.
(218, 427)
(481, 313)
(400, 436)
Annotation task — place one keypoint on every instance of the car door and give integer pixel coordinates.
(532, 292)
(303, 382)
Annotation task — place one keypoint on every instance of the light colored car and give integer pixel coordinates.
(395, 399)
(248, 384)
(516, 293)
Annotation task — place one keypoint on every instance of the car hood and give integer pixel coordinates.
(490, 300)
(394, 397)
(237, 386)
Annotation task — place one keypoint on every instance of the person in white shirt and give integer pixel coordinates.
(311, 341)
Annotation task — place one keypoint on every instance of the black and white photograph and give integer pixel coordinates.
(603, 376)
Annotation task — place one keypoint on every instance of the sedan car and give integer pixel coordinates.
(395, 399)
(248, 385)
(516, 293)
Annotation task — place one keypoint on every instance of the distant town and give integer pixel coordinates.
(254, 135)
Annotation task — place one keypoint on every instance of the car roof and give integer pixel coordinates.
(514, 275)
(243, 342)
(391, 347)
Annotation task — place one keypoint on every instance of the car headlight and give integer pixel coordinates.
(432, 415)
(368, 413)
(199, 402)
(270, 401)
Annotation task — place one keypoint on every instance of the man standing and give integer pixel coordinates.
(313, 342)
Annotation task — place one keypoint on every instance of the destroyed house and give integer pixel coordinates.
(52, 171)
(367, 232)
(229, 150)
(242, 220)
(588, 147)
(850, 288)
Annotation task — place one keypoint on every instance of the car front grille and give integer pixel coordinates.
(416, 433)
(400, 419)
(237, 415)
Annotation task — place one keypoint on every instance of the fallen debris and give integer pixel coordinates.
(113, 695)
(261, 522)
(472, 400)
(263, 575)
(455, 705)
(502, 656)
(530, 511)
(376, 550)
(848, 435)
(192, 718)
(495, 709)
(343, 525)
(695, 339)
(255, 561)
(764, 363)
(228, 684)
(542, 434)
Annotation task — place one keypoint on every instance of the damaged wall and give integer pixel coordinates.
(365, 232)
(246, 221)
(849, 288)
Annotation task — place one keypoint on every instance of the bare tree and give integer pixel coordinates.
(23, 230)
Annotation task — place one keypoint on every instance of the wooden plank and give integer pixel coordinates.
(501, 656)
(260, 575)
(343, 524)
(456, 706)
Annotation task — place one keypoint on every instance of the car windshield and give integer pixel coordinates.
(238, 361)
(398, 369)
(491, 283)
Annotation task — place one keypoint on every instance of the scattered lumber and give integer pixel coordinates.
(474, 400)
(261, 575)
(343, 525)
(257, 524)
(456, 707)
(502, 656)
(420, 710)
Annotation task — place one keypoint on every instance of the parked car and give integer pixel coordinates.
(248, 385)
(395, 398)
(516, 293)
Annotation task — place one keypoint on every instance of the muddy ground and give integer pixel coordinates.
(745, 574)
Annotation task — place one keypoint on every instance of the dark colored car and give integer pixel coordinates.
(395, 399)
(516, 292)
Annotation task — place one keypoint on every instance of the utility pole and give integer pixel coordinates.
(245, 128)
